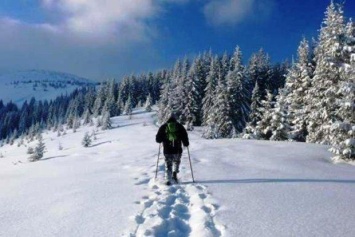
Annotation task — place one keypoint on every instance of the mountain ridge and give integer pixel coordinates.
(19, 86)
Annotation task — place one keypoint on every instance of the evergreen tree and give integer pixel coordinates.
(225, 65)
(86, 117)
(125, 88)
(165, 102)
(298, 83)
(70, 121)
(263, 129)
(99, 101)
(237, 92)
(106, 120)
(89, 99)
(192, 110)
(255, 115)
(30, 150)
(327, 76)
(148, 104)
(220, 117)
(128, 106)
(197, 77)
(119, 105)
(343, 129)
(86, 142)
(38, 151)
(13, 136)
(259, 71)
(210, 90)
(279, 119)
(179, 88)
(110, 99)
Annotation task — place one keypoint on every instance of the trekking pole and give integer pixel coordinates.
(156, 170)
(192, 173)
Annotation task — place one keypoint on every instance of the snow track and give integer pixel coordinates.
(185, 209)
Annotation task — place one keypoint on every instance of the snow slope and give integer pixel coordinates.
(243, 187)
(19, 86)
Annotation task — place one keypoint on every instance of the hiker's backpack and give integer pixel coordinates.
(171, 132)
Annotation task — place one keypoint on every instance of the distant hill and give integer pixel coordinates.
(19, 86)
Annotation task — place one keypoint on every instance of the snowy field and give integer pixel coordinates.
(242, 188)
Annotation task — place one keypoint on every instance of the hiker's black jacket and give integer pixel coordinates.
(172, 147)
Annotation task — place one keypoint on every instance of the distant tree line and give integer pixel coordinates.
(56, 84)
(79, 107)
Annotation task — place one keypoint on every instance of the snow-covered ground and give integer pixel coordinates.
(18, 86)
(242, 188)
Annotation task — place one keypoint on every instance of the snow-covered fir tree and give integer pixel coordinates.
(198, 74)
(148, 104)
(86, 117)
(110, 102)
(30, 150)
(39, 150)
(100, 98)
(187, 116)
(254, 115)
(327, 76)
(279, 125)
(119, 105)
(219, 120)
(165, 102)
(128, 106)
(180, 89)
(210, 90)
(106, 120)
(343, 129)
(86, 142)
(259, 71)
(263, 129)
(298, 83)
(238, 92)
(225, 65)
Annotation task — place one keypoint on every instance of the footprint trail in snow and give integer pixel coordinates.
(177, 210)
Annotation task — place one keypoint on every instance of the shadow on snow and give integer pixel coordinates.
(255, 181)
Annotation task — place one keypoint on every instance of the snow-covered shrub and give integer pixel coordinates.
(148, 104)
(38, 151)
(343, 141)
(86, 140)
(30, 150)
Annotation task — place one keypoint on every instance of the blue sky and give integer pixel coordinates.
(103, 39)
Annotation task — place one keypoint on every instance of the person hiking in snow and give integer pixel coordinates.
(172, 134)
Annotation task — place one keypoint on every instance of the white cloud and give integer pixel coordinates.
(27, 46)
(93, 38)
(231, 12)
(103, 19)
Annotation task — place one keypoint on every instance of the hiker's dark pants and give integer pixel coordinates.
(172, 164)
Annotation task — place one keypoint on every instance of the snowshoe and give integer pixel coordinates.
(168, 183)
